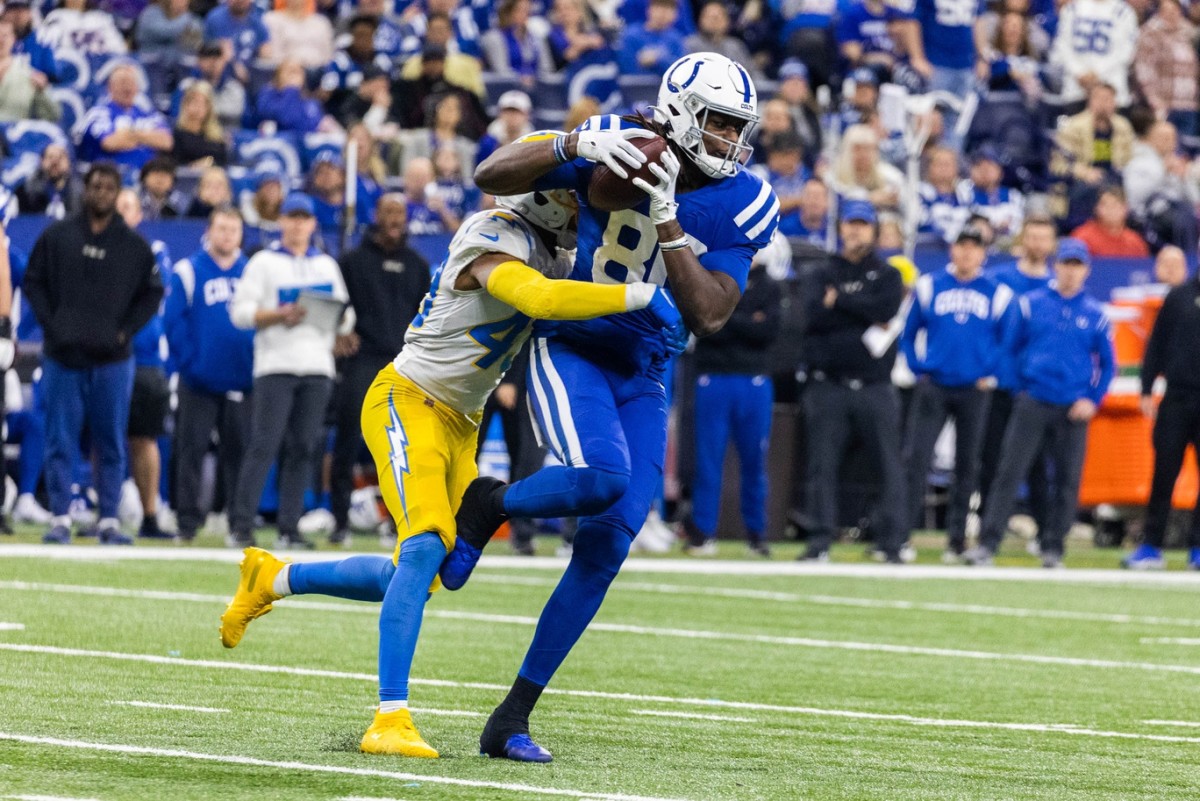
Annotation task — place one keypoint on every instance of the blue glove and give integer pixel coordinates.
(676, 338)
(663, 307)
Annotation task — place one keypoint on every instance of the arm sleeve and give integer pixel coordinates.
(1154, 363)
(147, 299)
(908, 340)
(734, 262)
(536, 296)
(1105, 359)
(175, 311)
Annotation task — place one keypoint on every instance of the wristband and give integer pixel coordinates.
(560, 150)
(674, 244)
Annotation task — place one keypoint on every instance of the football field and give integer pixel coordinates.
(699, 681)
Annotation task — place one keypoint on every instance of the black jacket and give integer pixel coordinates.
(91, 292)
(36, 193)
(1174, 346)
(385, 289)
(742, 346)
(869, 293)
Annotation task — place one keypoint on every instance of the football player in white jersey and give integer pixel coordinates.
(420, 421)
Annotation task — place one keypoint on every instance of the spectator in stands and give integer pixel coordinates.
(1157, 188)
(1063, 372)
(1166, 66)
(454, 186)
(784, 170)
(215, 362)
(370, 103)
(940, 43)
(156, 192)
(649, 48)
(1171, 353)
(849, 392)
(861, 105)
(1094, 145)
(120, 129)
(199, 138)
(513, 110)
(572, 33)
(1170, 267)
(444, 130)
(1003, 206)
(860, 174)
(344, 74)
(864, 35)
(212, 193)
(712, 36)
(459, 69)
(427, 211)
(150, 401)
(371, 172)
(961, 313)
(386, 280)
(516, 48)
(293, 368)
(466, 25)
(72, 27)
(1094, 44)
(23, 94)
(238, 25)
(423, 92)
(943, 210)
(1011, 59)
(988, 36)
(389, 37)
(813, 213)
(327, 188)
(228, 93)
(299, 33)
(776, 120)
(54, 190)
(794, 90)
(1107, 235)
(286, 103)
(260, 209)
(167, 30)
(30, 42)
(88, 325)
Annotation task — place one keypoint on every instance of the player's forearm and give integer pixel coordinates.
(534, 295)
(512, 169)
(706, 299)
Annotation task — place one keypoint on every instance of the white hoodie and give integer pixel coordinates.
(274, 277)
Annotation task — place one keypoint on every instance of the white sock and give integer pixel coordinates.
(61, 520)
(109, 522)
(283, 586)
(392, 706)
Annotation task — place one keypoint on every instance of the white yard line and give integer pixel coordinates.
(1185, 724)
(12, 626)
(1170, 640)
(650, 631)
(692, 567)
(45, 798)
(447, 713)
(658, 713)
(174, 707)
(1060, 728)
(233, 759)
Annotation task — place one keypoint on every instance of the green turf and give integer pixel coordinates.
(602, 747)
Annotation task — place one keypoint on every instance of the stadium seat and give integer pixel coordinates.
(32, 136)
(314, 144)
(279, 152)
(162, 76)
(72, 105)
(74, 70)
(495, 85)
(638, 90)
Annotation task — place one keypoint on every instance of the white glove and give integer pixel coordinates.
(613, 148)
(662, 194)
(8, 353)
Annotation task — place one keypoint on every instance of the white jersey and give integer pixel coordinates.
(461, 343)
(1096, 36)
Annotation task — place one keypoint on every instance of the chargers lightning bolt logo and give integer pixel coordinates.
(397, 452)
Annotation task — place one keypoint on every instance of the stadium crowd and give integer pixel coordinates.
(1061, 134)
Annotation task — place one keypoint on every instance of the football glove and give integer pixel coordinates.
(613, 149)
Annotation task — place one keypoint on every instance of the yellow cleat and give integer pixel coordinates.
(254, 596)
(394, 734)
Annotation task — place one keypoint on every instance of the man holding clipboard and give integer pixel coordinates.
(294, 297)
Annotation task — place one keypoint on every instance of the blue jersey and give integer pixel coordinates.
(103, 120)
(1003, 207)
(963, 324)
(1061, 347)
(1019, 282)
(860, 24)
(943, 214)
(727, 221)
(248, 33)
(147, 342)
(799, 14)
(344, 74)
(41, 56)
(212, 355)
(947, 31)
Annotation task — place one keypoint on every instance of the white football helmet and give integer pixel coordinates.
(696, 85)
(552, 210)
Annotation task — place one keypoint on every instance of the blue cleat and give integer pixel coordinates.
(1147, 557)
(521, 748)
(479, 515)
(114, 536)
(57, 535)
(1194, 559)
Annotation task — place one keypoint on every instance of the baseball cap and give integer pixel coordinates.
(973, 233)
(515, 99)
(1071, 249)
(328, 157)
(859, 211)
(865, 75)
(298, 203)
(18, 4)
(793, 68)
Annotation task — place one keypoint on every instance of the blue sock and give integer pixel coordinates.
(565, 492)
(403, 605)
(600, 549)
(359, 578)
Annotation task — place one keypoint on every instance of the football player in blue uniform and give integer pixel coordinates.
(596, 387)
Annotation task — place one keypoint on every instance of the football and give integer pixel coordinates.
(608, 191)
